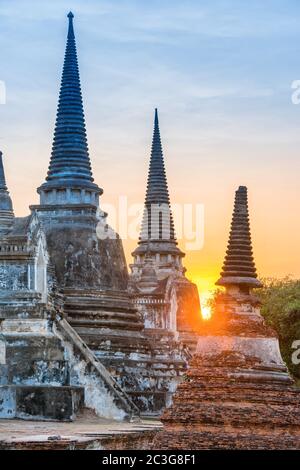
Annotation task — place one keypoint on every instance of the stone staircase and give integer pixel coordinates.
(119, 396)
(35, 377)
(50, 369)
(113, 331)
(148, 377)
(47, 372)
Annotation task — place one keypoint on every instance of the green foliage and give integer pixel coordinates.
(281, 309)
(211, 302)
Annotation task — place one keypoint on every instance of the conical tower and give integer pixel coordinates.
(239, 267)
(157, 235)
(6, 207)
(158, 245)
(69, 179)
(157, 222)
(238, 393)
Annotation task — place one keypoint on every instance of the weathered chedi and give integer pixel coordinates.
(237, 393)
(91, 272)
(90, 267)
(167, 300)
(46, 370)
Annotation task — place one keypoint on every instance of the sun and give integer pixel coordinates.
(205, 307)
(205, 312)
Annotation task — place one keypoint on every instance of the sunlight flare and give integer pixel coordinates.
(205, 307)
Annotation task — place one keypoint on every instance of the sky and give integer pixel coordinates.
(220, 73)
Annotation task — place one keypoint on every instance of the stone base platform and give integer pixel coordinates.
(88, 432)
(44, 402)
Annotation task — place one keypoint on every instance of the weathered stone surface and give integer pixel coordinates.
(40, 402)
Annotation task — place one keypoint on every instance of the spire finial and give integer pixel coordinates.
(2, 175)
(6, 208)
(71, 29)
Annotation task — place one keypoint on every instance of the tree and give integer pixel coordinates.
(281, 309)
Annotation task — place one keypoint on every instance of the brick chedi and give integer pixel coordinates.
(238, 393)
(239, 268)
(173, 303)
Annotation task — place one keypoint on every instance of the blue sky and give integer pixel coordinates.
(220, 73)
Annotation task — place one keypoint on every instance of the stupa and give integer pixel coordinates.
(88, 259)
(168, 302)
(238, 393)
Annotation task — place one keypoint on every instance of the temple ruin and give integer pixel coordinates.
(238, 393)
(79, 335)
(72, 334)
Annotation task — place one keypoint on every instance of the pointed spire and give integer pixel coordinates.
(6, 207)
(157, 187)
(157, 220)
(70, 162)
(2, 175)
(239, 267)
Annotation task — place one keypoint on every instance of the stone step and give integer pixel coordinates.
(104, 341)
(110, 321)
(38, 373)
(150, 402)
(33, 348)
(146, 363)
(147, 382)
(81, 315)
(40, 402)
(24, 326)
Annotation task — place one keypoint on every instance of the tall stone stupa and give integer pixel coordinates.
(167, 300)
